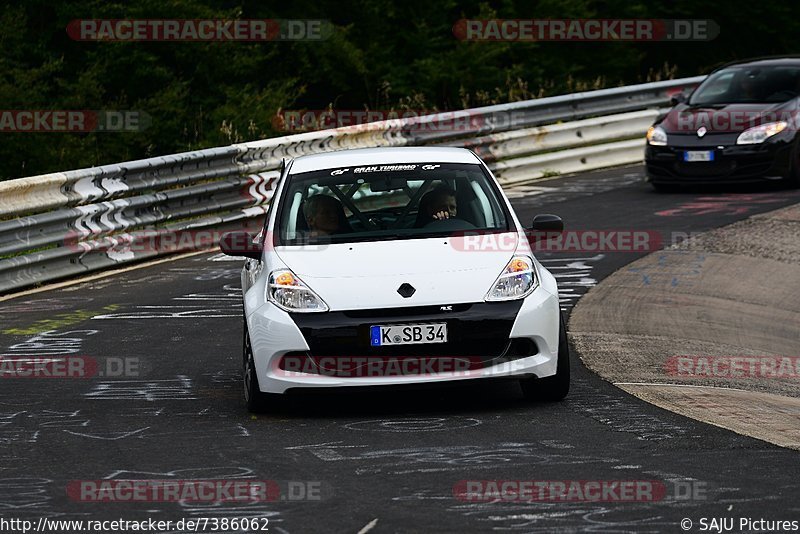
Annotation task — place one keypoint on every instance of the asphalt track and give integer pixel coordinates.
(386, 461)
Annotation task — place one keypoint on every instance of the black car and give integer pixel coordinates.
(738, 126)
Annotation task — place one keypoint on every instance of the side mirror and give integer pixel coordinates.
(240, 244)
(677, 98)
(547, 223)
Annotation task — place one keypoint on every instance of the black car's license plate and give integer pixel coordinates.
(698, 155)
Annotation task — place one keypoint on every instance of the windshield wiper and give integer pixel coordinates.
(401, 236)
(385, 237)
(706, 106)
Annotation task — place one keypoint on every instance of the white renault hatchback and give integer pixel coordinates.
(390, 266)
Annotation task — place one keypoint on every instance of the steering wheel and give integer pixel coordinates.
(780, 96)
(378, 223)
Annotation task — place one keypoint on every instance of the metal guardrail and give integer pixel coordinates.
(516, 143)
(72, 222)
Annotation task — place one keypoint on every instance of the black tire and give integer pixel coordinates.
(664, 188)
(254, 399)
(792, 180)
(552, 388)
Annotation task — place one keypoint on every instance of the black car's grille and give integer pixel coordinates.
(732, 163)
(705, 168)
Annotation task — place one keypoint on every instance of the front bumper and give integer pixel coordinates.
(504, 339)
(732, 163)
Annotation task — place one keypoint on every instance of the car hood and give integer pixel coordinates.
(728, 118)
(368, 275)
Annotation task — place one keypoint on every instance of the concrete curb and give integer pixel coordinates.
(709, 329)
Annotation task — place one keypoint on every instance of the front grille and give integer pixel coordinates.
(411, 311)
(706, 168)
(479, 330)
(732, 163)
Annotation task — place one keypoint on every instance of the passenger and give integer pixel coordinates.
(325, 215)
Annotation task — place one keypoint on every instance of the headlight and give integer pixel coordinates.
(759, 134)
(289, 293)
(656, 136)
(516, 281)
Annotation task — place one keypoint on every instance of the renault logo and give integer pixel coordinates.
(701, 131)
(406, 290)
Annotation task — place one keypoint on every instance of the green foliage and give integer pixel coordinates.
(382, 55)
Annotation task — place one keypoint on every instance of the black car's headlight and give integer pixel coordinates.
(656, 136)
(762, 132)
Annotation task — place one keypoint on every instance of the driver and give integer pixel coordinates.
(325, 215)
(747, 87)
(437, 205)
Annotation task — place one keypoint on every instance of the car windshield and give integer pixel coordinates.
(391, 201)
(762, 85)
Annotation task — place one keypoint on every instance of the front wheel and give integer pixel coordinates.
(664, 188)
(552, 388)
(255, 400)
(792, 179)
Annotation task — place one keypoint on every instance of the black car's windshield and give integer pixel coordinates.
(391, 201)
(742, 85)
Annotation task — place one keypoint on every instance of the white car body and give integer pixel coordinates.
(357, 276)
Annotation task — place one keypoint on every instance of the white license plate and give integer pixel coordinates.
(408, 334)
(698, 155)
